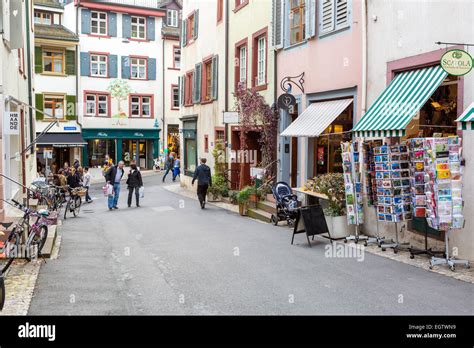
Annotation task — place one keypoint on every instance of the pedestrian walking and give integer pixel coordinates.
(76, 164)
(176, 169)
(134, 183)
(169, 165)
(87, 183)
(203, 176)
(113, 176)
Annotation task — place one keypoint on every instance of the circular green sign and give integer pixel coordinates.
(456, 62)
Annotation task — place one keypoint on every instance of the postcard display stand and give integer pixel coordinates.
(417, 167)
(392, 174)
(353, 188)
(443, 189)
(371, 184)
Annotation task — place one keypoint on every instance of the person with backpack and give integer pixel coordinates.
(134, 182)
(176, 169)
(87, 183)
(204, 178)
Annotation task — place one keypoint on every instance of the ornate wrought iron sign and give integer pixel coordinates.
(286, 84)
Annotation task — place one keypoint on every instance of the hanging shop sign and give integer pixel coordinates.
(456, 62)
(12, 123)
(286, 101)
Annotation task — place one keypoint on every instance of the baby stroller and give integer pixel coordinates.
(287, 204)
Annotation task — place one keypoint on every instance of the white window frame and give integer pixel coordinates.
(99, 21)
(261, 60)
(174, 57)
(172, 18)
(243, 64)
(90, 103)
(137, 63)
(175, 89)
(140, 104)
(96, 103)
(42, 17)
(99, 64)
(139, 26)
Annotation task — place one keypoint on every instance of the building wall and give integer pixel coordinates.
(331, 63)
(171, 76)
(243, 23)
(428, 20)
(210, 41)
(14, 84)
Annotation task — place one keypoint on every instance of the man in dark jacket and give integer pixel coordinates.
(134, 182)
(113, 176)
(203, 176)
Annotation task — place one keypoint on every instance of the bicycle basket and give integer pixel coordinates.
(81, 192)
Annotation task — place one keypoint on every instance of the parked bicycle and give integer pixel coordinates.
(74, 201)
(51, 196)
(25, 240)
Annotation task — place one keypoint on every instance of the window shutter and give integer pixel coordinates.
(326, 17)
(126, 26)
(184, 32)
(125, 67)
(151, 68)
(39, 106)
(112, 23)
(197, 83)
(310, 18)
(342, 14)
(277, 20)
(38, 59)
(196, 24)
(70, 62)
(286, 23)
(85, 64)
(215, 77)
(85, 21)
(112, 66)
(150, 28)
(182, 89)
(71, 107)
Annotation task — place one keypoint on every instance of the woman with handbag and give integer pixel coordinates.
(134, 182)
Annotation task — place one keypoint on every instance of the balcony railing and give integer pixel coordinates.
(135, 3)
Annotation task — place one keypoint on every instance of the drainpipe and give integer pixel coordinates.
(163, 98)
(226, 84)
(364, 59)
(30, 70)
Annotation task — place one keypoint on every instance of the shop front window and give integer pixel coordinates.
(327, 147)
(190, 147)
(101, 150)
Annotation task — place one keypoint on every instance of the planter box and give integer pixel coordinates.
(338, 227)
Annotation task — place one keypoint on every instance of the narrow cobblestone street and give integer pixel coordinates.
(170, 257)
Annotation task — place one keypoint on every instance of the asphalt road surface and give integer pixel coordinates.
(170, 257)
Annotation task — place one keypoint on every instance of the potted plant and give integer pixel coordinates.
(332, 185)
(218, 189)
(243, 197)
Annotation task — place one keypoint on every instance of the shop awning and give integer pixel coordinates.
(399, 102)
(61, 140)
(466, 120)
(316, 118)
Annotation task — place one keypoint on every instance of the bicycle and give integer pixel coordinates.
(32, 237)
(74, 202)
(51, 196)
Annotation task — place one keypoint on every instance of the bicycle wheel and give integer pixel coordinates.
(43, 201)
(67, 208)
(77, 205)
(38, 238)
(2, 291)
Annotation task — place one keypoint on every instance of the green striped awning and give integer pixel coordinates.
(466, 120)
(399, 102)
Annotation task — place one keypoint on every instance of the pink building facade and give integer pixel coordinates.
(331, 60)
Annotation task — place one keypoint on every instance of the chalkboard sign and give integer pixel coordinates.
(311, 221)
